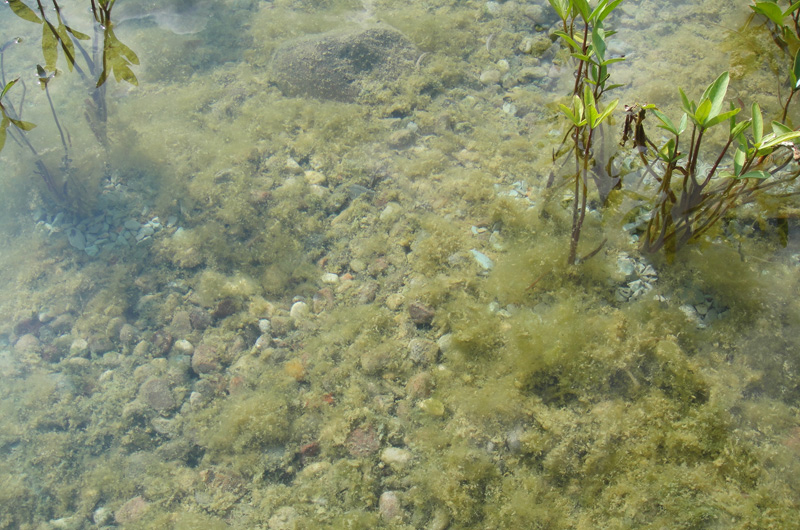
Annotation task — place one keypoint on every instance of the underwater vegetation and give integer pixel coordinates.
(356, 314)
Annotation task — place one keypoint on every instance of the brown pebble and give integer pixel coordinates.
(199, 319)
(420, 385)
(131, 511)
(363, 441)
(205, 359)
(423, 351)
(225, 308)
(162, 342)
(310, 449)
(155, 392)
(421, 314)
(389, 505)
(28, 343)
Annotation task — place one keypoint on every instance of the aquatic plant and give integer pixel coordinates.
(786, 37)
(584, 34)
(115, 58)
(690, 198)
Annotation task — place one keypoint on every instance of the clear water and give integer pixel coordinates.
(248, 356)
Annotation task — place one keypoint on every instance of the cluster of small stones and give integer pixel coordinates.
(639, 277)
(121, 221)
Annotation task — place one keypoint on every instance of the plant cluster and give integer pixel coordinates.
(691, 196)
(108, 56)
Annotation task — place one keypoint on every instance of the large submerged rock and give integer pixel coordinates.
(337, 65)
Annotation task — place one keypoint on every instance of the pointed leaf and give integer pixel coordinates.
(791, 8)
(722, 117)
(569, 40)
(780, 128)
(3, 127)
(770, 10)
(716, 93)
(582, 6)
(606, 113)
(24, 125)
(77, 34)
(23, 11)
(8, 86)
(796, 71)
(666, 122)
(758, 123)
(739, 158)
(758, 174)
(600, 13)
(688, 106)
(683, 124)
(786, 137)
(561, 7)
(738, 129)
(598, 40)
(49, 46)
(701, 115)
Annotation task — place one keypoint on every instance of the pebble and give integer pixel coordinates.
(79, 347)
(131, 511)
(76, 239)
(490, 77)
(299, 311)
(396, 457)
(157, 394)
(482, 259)
(421, 314)
(127, 334)
(423, 351)
(389, 505)
(432, 406)
(391, 212)
(329, 278)
(205, 360)
(27, 344)
(183, 347)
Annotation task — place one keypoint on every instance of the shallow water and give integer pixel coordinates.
(283, 312)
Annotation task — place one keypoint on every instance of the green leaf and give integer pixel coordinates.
(606, 113)
(24, 125)
(683, 124)
(667, 151)
(612, 61)
(716, 93)
(721, 118)
(758, 174)
(569, 40)
(758, 123)
(770, 10)
(23, 11)
(786, 137)
(739, 158)
(792, 7)
(49, 46)
(561, 7)
(8, 87)
(582, 6)
(796, 71)
(780, 128)
(688, 106)
(738, 129)
(701, 114)
(598, 40)
(666, 122)
(601, 12)
(3, 127)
